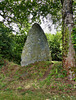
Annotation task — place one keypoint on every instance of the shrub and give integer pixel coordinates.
(55, 44)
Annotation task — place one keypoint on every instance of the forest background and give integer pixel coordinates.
(24, 13)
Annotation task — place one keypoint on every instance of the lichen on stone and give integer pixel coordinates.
(36, 47)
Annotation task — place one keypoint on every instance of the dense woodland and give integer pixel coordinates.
(62, 44)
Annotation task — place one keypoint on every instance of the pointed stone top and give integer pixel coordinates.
(36, 28)
(35, 25)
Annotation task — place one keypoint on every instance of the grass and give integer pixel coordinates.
(38, 81)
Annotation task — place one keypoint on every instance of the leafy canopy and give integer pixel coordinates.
(24, 11)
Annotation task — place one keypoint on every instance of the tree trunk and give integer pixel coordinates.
(68, 50)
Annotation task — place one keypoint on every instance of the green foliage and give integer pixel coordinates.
(11, 45)
(19, 88)
(18, 11)
(1, 61)
(55, 44)
(19, 41)
(6, 43)
(74, 79)
(74, 38)
(74, 11)
(58, 71)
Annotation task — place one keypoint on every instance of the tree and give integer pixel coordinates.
(6, 43)
(68, 49)
(74, 38)
(19, 11)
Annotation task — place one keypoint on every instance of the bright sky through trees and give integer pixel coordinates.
(44, 25)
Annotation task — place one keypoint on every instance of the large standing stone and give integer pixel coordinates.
(36, 47)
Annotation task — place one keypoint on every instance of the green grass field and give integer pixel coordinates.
(38, 81)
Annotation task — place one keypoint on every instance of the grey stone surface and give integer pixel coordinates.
(36, 47)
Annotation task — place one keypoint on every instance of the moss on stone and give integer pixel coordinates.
(36, 47)
(66, 41)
